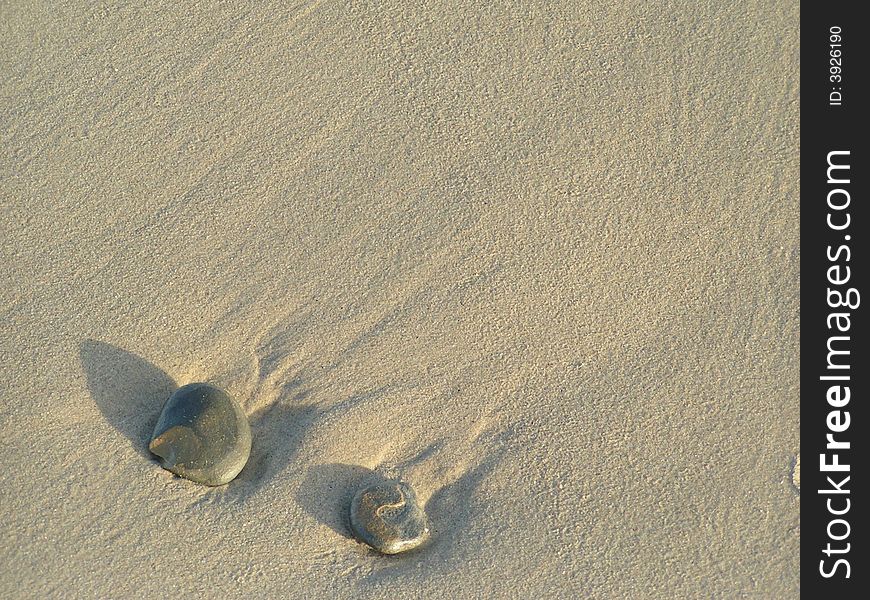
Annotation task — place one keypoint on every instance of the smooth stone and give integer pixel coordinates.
(202, 435)
(796, 473)
(385, 515)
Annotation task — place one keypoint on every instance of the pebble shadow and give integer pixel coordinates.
(327, 491)
(128, 390)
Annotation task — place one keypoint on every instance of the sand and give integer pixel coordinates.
(541, 258)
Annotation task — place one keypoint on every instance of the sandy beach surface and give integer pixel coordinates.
(541, 258)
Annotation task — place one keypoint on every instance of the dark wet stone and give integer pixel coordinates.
(202, 435)
(385, 515)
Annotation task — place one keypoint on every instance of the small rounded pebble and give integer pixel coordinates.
(202, 435)
(796, 473)
(385, 515)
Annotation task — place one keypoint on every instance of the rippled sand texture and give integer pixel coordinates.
(540, 259)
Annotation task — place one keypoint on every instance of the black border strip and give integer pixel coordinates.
(834, 260)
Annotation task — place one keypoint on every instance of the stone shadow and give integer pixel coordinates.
(328, 490)
(128, 390)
